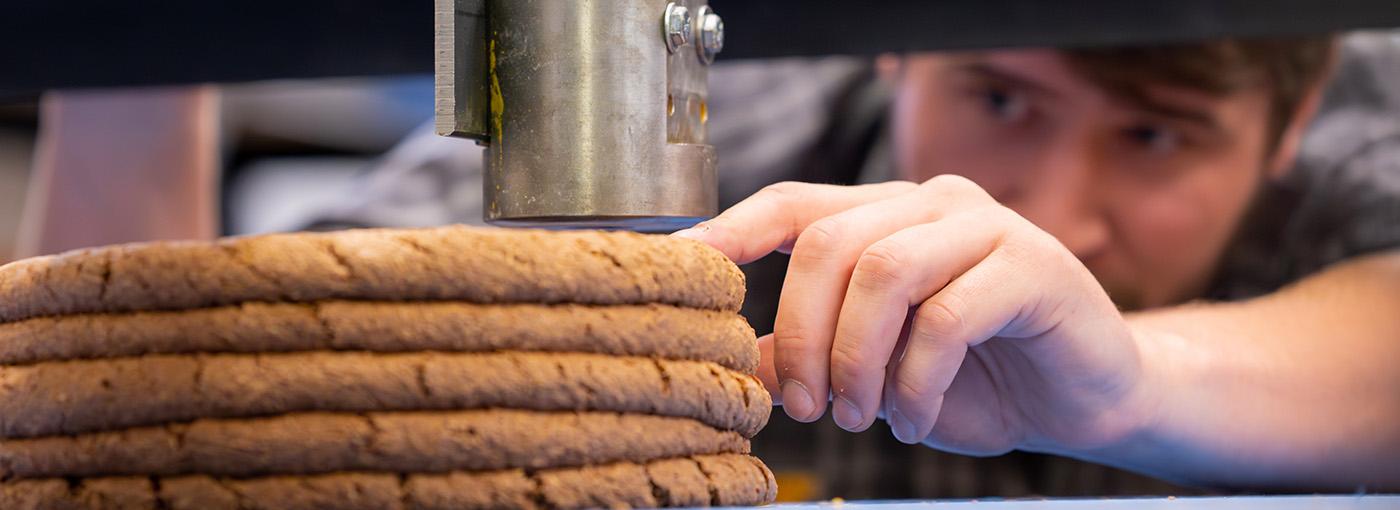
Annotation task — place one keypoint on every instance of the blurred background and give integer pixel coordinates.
(18, 122)
(288, 147)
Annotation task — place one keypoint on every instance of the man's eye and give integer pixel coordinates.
(1005, 105)
(1154, 138)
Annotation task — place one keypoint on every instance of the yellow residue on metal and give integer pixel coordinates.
(498, 108)
(498, 103)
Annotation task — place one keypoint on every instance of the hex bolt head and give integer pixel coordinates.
(676, 26)
(710, 34)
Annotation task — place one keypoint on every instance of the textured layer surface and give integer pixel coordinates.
(642, 330)
(701, 480)
(445, 263)
(402, 442)
(87, 396)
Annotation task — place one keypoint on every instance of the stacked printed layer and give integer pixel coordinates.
(435, 368)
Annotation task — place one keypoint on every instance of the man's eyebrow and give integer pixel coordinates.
(984, 70)
(1174, 112)
(987, 71)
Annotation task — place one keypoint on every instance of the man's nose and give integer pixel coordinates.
(1062, 196)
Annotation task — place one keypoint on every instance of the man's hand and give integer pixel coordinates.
(960, 322)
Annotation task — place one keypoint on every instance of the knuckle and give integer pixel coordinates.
(1004, 216)
(1028, 244)
(898, 186)
(953, 184)
(791, 338)
(1009, 225)
(848, 364)
(783, 191)
(1016, 254)
(880, 267)
(912, 392)
(794, 344)
(819, 240)
(1025, 251)
(938, 319)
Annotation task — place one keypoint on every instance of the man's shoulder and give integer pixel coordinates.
(771, 118)
(1342, 198)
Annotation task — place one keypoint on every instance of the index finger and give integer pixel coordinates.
(771, 219)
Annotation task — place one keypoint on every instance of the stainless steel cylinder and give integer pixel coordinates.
(593, 121)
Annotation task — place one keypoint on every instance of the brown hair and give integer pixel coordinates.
(1289, 67)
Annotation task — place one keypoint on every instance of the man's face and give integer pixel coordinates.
(1146, 195)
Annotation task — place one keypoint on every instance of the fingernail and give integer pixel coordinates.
(903, 428)
(695, 232)
(846, 414)
(797, 401)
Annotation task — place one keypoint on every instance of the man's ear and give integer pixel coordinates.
(1286, 151)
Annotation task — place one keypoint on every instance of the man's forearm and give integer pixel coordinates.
(1299, 389)
(120, 166)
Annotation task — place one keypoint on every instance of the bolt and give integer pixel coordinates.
(711, 34)
(676, 26)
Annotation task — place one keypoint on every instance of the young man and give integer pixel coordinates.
(978, 305)
(1023, 279)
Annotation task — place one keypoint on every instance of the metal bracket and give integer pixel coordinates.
(461, 69)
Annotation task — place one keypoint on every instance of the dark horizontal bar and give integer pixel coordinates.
(769, 28)
(88, 43)
(91, 43)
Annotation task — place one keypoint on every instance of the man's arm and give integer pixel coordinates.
(121, 166)
(1298, 388)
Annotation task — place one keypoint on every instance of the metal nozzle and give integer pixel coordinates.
(594, 117)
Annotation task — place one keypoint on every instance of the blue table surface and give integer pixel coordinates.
(1358, 502)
